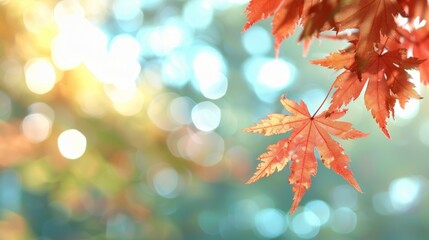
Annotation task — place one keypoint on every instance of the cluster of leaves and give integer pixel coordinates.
(387, 38)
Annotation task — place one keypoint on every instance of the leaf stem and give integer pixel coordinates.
(323, 102)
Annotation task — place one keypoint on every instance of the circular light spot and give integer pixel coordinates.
(65, 51)
(270, 223)
(158, 114)
(256, 41)
(276, 73)
(204, 148)
(206, 116)
(209, 72)
(320, 209)
(214, 86)
(255, 70)
(344, 220)
(303, 225)
(67, 13)
(43, 108)
(126, 10)
(180, 109)
(37, 17)
(198, 14)
(410, 110)
(132, 106)
(162, 40)
(72, 144)
(125, 46)
(166, 182)
(40, 76)
(36, 127)
(175, 70)
(207, 61)
(133, 24)
(403, 193)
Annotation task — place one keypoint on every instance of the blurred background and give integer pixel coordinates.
(121, 119)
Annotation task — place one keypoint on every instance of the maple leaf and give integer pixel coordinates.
(288, 14)
(385, 74)
(418, 41)
(415, 8)
(307, 134)
(320, 17)
(372, 17)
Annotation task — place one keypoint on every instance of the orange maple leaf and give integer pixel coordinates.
(288, 14)
(415, 8)
(372, 17)
(307, 133)
(387, 80)
(418, 41)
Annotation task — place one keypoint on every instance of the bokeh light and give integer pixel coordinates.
(270, 223)
(40, 76)
(404, 193)
(148, 98)
(306, 225)
(36, 127)
(344, 220)
(206, 116)
(320, 209)
(257, 41)
(72, 144)
(166, 182)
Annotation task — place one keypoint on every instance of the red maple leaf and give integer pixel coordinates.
(307, 133)
(372, 17)
(415, 8)
(385, 74)
(288, 14)
(418, 41)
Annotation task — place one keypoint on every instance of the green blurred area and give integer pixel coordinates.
(121, 119)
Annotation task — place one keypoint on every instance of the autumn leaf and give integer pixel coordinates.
(387, 78)
(372, 17)
(307, 134)
(320, 17)
(416, 8)
(418, 41)
(288, 14)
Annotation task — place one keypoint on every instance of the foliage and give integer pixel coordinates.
(387, 38)
(308, 132)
